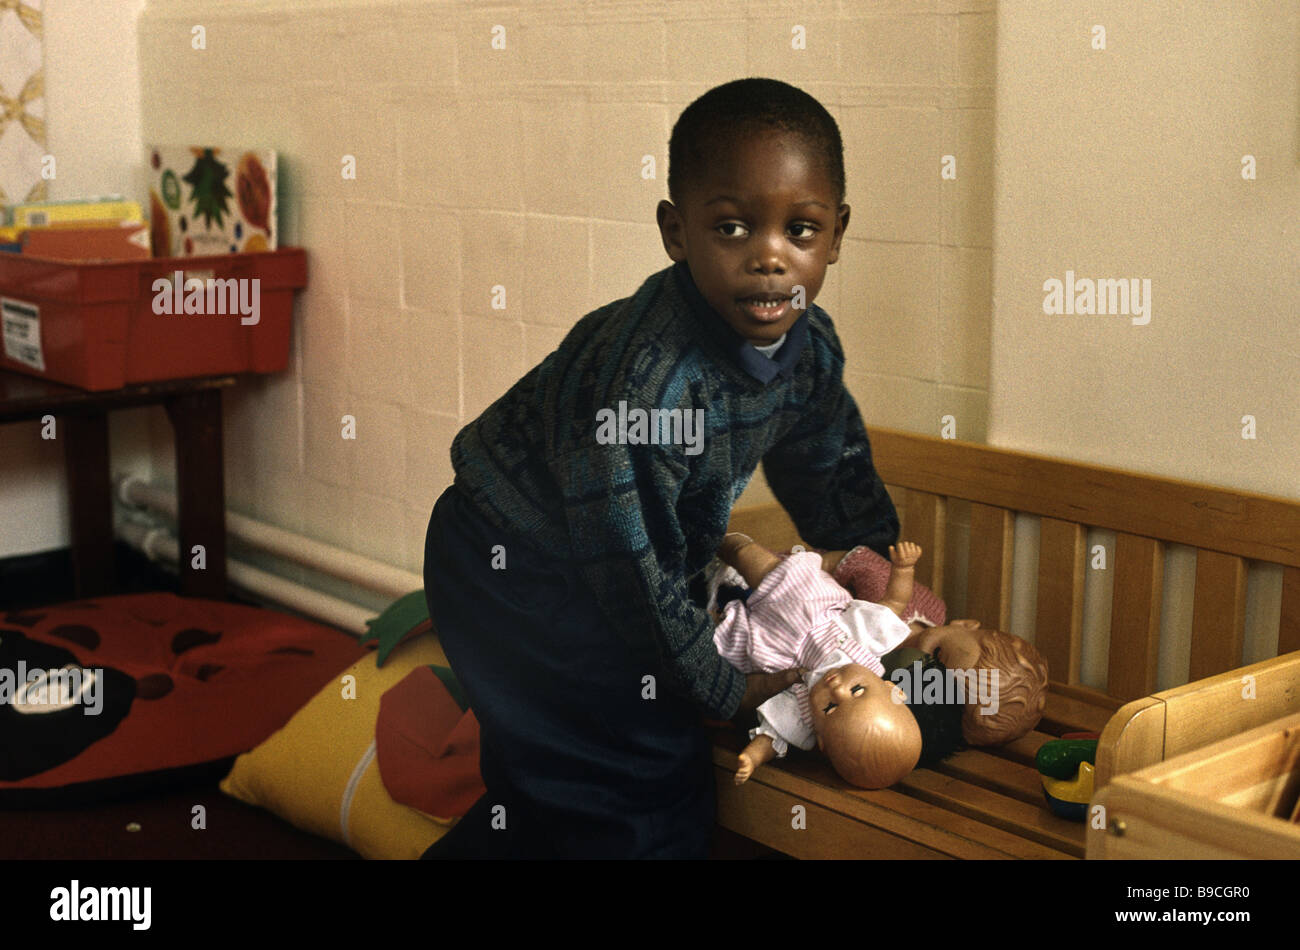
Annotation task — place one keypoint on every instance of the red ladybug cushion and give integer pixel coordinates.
(109, 697)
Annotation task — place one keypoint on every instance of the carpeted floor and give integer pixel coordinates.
(234, 831)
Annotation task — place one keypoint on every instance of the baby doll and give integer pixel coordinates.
(796, 615)
(1021, 671)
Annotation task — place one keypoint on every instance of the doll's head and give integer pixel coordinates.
(1019, 692)
(864, 727)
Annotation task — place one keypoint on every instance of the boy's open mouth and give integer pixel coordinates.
(765, 307)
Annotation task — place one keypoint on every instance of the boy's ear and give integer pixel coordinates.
(841, 225)
(671, 230)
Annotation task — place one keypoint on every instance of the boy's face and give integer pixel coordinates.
(761, 221)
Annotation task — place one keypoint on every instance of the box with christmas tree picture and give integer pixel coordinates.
(208, 200)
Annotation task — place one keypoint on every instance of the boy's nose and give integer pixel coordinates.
(768, 258)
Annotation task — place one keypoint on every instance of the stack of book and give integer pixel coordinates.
(108, 228)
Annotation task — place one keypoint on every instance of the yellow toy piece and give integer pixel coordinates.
(1077, 789)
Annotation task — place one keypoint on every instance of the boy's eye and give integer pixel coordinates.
(807, 228)
(731, 224)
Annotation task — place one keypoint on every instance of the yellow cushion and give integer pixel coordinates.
(320, 772)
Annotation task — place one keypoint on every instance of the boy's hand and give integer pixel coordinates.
(831, 560)
(904, 554)
(760, 687)
(732, 542)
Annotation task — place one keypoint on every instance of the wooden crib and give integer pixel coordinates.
(988, 803)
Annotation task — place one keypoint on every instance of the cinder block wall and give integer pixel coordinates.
(521, 167)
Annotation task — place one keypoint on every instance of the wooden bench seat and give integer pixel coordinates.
(988, 802)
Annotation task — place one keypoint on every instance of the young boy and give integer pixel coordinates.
(557, 566)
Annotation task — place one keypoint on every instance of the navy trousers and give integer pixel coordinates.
(582, 755)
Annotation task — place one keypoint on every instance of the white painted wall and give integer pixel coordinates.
(1127, 162)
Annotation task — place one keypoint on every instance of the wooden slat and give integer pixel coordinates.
(999, 775)
(1033, 822)
(925, 519)
(1218, 614)
(1139, 568)
(806, 780)
(1022, 750)
(1255, 526)
(1066, 713)
(765, 814)
(988, 587)
(1059, 629)
(1089, 696)
(1288, 639)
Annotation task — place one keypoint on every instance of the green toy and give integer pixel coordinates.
(1067, 768)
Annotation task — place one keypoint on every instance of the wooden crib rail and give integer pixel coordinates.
(1146, 513)
(1202, 516)
(987, 802)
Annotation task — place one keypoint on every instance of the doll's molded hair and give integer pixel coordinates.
(746, 105)
(940, 722)
(1022, 690)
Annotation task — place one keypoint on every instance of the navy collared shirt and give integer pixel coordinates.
(762, 368)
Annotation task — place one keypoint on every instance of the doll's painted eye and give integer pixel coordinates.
(857, 689)
(830, 708)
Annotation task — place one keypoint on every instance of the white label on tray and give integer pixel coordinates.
(22, 332)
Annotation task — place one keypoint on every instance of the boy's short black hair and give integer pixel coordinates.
(719, 116)
(940, 721)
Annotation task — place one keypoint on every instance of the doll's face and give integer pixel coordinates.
(861, 718)
(957, 644)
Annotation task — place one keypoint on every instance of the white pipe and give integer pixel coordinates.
(373, 575)
(158, 544)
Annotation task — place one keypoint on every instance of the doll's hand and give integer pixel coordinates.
(904, 554)
(759, 751)
(746, 769)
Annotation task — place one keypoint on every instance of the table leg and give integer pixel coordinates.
(85, 445)
(200, 490)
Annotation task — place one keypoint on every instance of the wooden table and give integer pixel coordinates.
(194, 408)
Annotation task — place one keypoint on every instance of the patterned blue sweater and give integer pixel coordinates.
(560, 462)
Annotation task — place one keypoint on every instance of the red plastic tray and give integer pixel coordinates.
(98, 330)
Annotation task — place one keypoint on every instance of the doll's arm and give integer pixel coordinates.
(751, 559)
(779, 727)
(760, 751)
(898, 592)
